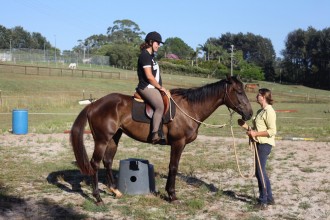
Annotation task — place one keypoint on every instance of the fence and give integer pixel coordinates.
(48, 56)
(54, 71)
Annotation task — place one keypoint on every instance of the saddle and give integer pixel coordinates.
(143, 112)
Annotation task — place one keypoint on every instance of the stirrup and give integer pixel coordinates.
(155, 138)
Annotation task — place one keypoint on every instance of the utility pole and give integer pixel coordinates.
(231, 60)
(44, 52)
(55, 50)
(11, 55)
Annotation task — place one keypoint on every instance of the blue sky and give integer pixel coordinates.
(67, 21)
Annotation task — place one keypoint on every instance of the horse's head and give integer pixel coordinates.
(236, 99)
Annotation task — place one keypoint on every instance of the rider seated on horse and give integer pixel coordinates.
(150, 81)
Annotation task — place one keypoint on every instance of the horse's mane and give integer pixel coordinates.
(199, 94)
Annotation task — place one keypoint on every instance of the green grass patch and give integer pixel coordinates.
(52, 102)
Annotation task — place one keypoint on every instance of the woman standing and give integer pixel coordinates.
(150, 81)
(264, 131)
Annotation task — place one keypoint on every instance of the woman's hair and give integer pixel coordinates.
(145, 45)
(267, 94)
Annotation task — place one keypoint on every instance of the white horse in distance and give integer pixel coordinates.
(73, 66)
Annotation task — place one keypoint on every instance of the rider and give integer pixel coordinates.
(150, 81)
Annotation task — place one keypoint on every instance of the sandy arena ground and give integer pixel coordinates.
(300, 179)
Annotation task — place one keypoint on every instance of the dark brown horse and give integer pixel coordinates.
(110, 116)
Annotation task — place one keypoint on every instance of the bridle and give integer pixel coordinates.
(224, 100)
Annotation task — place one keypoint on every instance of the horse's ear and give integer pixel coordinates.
(228, 77)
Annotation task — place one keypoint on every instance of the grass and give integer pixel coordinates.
(304, 205)
(52, 102)
(55, 176)
(20, 171)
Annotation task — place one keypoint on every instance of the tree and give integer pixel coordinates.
(38, 41)
(178, 47)
(20, 38)
(125, 31)
(306, 57)
(5, 37)
(120, 55)
(256, 50)
(17, 37)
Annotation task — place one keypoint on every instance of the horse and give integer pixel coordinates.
(73, 66)
(251, 87)
(111, 116)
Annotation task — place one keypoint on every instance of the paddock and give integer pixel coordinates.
(39, 179)
(44, 182)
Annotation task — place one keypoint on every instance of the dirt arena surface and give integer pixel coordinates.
(299, 176)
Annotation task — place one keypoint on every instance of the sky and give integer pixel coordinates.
(64, 22)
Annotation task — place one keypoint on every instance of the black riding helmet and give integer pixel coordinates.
(154, 36)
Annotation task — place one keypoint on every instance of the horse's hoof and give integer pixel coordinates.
(100, 203)
(176, 202)
(117, 193)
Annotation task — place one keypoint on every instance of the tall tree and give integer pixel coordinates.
(38, 41)
(256, 50)
(294, 56)
(120, 55)
(20, 38)
(178, 47)
(17, 37)
(5, 37)
(306, 57)
(125, 31)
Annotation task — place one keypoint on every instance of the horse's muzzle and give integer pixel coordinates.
(247, 117)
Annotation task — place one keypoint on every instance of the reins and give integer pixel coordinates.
(194, 119)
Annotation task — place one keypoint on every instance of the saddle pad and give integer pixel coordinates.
(139, 112)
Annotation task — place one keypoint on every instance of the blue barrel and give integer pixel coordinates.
(20, 121)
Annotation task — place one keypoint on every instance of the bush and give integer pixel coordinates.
(180, 69)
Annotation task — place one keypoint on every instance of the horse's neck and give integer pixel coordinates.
(202, 110)
(208, 107)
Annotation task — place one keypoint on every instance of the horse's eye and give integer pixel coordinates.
(239, 91)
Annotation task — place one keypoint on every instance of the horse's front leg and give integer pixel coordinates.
(176, 152)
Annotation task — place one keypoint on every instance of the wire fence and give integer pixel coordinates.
(50, 57)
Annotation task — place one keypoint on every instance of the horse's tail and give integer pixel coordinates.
(77, 142)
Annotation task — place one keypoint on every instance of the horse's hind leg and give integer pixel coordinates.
(96, 192)
(108, 161)
(98, 154)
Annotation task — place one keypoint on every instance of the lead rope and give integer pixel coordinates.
(252, 143)
(256, 153)
(253, 148)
